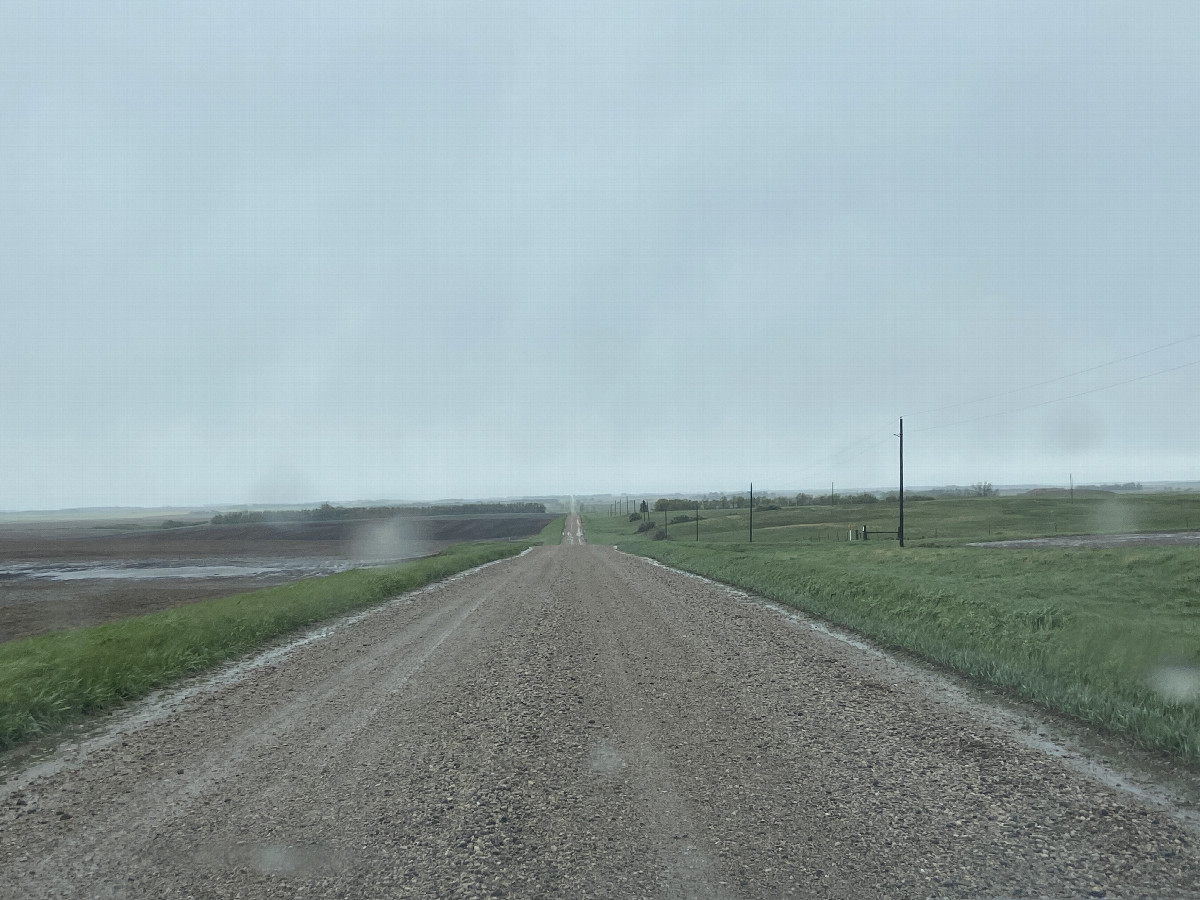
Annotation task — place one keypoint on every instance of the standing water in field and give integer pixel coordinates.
(133, 571)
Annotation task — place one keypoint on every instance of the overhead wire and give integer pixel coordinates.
(1038, 384)
(839, 458)
(1097, 390)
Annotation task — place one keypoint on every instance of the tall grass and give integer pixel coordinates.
(1083, 632)
(50, 680)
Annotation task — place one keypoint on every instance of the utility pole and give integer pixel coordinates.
(752, 512)
(832, 500)
(1072, 477)
(900, 530)
(697, 520)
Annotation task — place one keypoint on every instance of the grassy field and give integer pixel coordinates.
(1111, 637)
(53, 679)
(943, 523)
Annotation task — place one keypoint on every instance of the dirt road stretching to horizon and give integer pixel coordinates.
(578, 723)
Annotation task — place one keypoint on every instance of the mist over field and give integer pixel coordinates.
(346, 251)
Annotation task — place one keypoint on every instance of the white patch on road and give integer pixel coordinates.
(604, 758)
(573, 531)
(685, 877)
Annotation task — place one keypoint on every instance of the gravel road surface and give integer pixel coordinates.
(577, 723)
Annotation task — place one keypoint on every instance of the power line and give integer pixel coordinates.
(837, 457)
(1061, 399)
(1029, 387)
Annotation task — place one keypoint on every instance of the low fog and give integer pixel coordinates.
(389, 540)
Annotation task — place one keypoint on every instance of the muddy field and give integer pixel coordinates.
(66, 574)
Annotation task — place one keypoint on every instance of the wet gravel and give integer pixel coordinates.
(579, 723)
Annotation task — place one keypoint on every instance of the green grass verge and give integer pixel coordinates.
(552, 534)
(1082, 632)
(53, 679)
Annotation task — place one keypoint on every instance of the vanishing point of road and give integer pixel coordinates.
(576, 723)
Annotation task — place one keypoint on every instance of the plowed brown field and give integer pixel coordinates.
(44, 565)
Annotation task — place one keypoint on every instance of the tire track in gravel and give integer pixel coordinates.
(579, 723)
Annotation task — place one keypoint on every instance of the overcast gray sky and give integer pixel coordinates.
(292, 252)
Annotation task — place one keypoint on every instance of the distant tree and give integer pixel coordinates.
(983, 489)
(674, 504)
(864, 497)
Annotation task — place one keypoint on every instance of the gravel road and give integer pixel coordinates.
(577, 723)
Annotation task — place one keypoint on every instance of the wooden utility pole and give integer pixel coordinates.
(697, 520)
(900, 530)
(752, 512)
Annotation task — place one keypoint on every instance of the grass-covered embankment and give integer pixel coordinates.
(1107, 636)
(552, 534)
(50, 680)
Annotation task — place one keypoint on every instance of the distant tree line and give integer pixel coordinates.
(979, 489)
(328, 513)
(740, 501)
